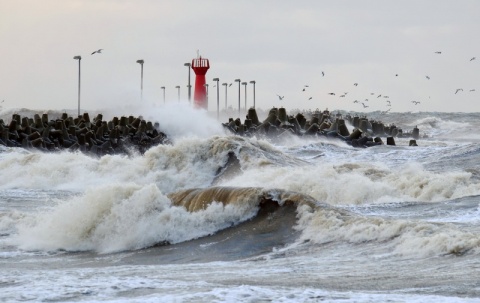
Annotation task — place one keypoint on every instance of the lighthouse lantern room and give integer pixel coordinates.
(200, 66)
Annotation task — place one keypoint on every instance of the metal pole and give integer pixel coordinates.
(238, 80)
(189, 86)
(253, 82)
(141, 61)
(178, 88)
(79, 77)
(206, 87)
(245, 83)
(163, 88)
(225, 84)
(79, 58)
(218, 100)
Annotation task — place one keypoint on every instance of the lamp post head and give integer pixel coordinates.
(244, 83)
(206, 85)
(237, 80)
(77, 57)
(253, 82)
(163, 87)
(187, 64)
(177, 86)
(216, 79)
(140, 61)
(225, 84)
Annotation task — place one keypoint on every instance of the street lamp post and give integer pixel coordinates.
(79, 58)
(226, 85)
(253, 82)
(206, 87)
(141, 78)
(218, 100)
(178, 88)
(189, 86)
(245, 84)
(238, 80)
(163, 88)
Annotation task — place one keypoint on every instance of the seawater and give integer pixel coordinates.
(382, 224)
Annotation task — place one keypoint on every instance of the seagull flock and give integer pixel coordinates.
(386, 97)
(305, 87)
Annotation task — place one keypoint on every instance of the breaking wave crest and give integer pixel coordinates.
(130, 217)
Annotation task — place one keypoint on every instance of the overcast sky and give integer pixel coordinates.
(387, 47)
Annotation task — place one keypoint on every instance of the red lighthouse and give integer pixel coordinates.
(200, 66)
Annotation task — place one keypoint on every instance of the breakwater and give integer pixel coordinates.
(96, 136)
(126, 134)
(366, 132)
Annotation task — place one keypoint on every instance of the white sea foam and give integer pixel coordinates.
(402, 237)
(105, 211)
(193, 162)
(214, 282)
(449, 129)
(362, 183)
(122, 217)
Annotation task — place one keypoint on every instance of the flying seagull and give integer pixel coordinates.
(364, 106)
(472, 90)
(99, 51)
(310, 98)
(280, 97)
(333, 94)
(230, 84)
(415, 102)
(458, 89)
(356, 101)
(356, 84)
(323, 74)
(427, 77)
(438, 53)
(473, 59)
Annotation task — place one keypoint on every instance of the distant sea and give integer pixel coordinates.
(379, 224)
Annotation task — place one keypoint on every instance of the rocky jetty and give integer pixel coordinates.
(365, 132)
(124, 134)
(97, 137)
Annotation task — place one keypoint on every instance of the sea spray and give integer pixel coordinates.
(346, 183)
(123, 217)
(399, 237)
(176, 119)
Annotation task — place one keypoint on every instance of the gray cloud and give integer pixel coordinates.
(280, 44)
